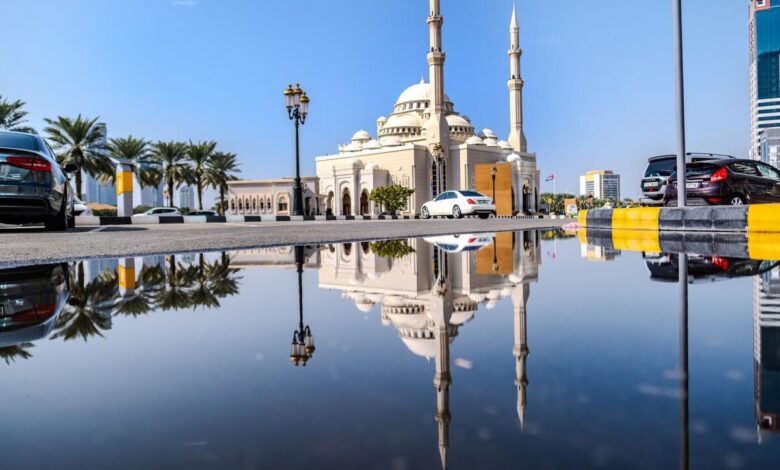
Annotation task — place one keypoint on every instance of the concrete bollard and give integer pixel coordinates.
(124, 190)
(126, 277)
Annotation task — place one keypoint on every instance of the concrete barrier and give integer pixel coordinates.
(753, 218)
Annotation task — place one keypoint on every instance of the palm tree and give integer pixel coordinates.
(80, 141)
(137, 151)
(220, 169)
(88, 311)
(12, 116)
(200, 154)
(173, 157)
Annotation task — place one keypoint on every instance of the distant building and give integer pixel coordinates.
(272, 197)
(769, 144)
(601, 184)
(151, 196)
(186, 197)
(96, 192)
(764, 71)
(766, 332)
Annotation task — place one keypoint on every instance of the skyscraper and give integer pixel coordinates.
(186, 197)
(94, 191)
(601, 184)
(764, 71)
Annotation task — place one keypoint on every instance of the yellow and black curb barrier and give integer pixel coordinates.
(763, 218)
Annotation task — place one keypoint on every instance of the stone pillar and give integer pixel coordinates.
(124, 190)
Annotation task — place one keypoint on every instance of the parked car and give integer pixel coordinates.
(204, 213)
(733, 182)
(79, 208)
(659, 170)
(459, 203)
(462, 242)
(33, 186)
(703, 269)
(160, 212)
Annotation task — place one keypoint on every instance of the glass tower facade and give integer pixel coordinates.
(764, 71)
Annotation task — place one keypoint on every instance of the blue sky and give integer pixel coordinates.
(599, 74)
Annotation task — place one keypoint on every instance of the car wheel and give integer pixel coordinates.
(58, 221)
(484, 216)
(456, 214)
(736, 200)
(425, 214)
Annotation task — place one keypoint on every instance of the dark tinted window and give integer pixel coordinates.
(660, 167)
(744, 168)
(472, 194)
(701, 169)
(768, 172)
(20, 141)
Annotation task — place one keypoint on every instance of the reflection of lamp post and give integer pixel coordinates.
(495, 257)
(303, 341)
(493, 173)
(297, 108)
(684, 416)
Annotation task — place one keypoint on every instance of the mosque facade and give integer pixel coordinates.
(426, 145)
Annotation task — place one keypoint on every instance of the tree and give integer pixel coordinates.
(200, 154)
(81, 141)
(220, 169)
(137, 151)
(12, 116)
(175, 168)
(391, 248)
(391, 198)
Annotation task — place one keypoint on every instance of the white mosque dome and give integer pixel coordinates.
(475, 140)
(494, 294)
(419, 92)
(403, 120)
(381, 119)
(361, 136)
(488, 133)
(513, 158)
(459, 318)
(455, 120)
(354, 146)
(376, 298)
(420, 346)
(364, 306)
(372, 145)
(514, 278)
(390, 141)
(504, 145)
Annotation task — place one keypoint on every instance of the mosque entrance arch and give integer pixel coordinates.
(526, 199)
(364, 202)
(329, 203)
(346, 202)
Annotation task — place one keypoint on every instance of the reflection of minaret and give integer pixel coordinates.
(520, 350)
(440, 311)
(516, 133)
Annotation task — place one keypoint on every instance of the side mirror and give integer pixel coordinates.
(70, 168)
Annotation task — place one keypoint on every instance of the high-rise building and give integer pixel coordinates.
(96, 192)
(764, 71)
(601, 184)
(151, 196)
(766, 334)
(769, 144)
(186, 197)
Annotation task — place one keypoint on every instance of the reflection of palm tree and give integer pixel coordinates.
(12, 353)
(222, 279)
(203, 295)
(89, 309)
(174, 296)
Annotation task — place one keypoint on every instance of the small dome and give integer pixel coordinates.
(417, 92)
(403, 120)
(455, 120)
(459, 318)
(372, 167)
(475, 140)
(381, 119)
(361, 136)
(354, 146)
(491, 304)
(477, 297)
(513, 158)
(423, 347)
(372, 145)
(356, 163)
(390, 141)
(365, 306)
(504, 145)
(515, 279)
(487, 133)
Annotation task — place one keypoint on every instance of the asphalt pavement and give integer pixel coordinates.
(32, 245)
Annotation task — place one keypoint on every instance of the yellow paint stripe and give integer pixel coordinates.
(636, 218)
(636, 240)
(124, 183)
(126, 277)
(582, 235)
(582, 218)
(764, 218)
(764, 246)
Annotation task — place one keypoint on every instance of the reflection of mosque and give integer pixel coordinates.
(766, 321)
(429, 293)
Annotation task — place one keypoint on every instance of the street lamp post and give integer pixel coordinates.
(302, 347)
(297, 108)
(493, 173)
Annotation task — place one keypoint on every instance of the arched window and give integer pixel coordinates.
(282, 205)
(262, 204)
(347, 249)
(232, 204)
(254, 204)
(240, 205)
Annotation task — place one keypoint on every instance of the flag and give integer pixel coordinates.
(551, 177)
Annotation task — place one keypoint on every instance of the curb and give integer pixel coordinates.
(754, 218)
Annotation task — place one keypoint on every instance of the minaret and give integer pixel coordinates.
(520, 350)
(516, 134)
(437, 131)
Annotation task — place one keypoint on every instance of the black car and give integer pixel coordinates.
(659, 170)
(730, 181)
(33, 187)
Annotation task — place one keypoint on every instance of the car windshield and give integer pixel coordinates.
(19, 141)
(663, 167)
(472, 194)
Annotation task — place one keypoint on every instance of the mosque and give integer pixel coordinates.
(426, 145)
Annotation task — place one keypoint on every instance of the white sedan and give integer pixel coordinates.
(459, 203)
(160, 212)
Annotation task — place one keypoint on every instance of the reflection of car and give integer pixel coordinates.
(664, 267)
(160, 212)
(31, 298)
(79, 208)
(733, 182)
(204, 213)
(462, 242)
(458, 204)
(660, 168)
(33, 187)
